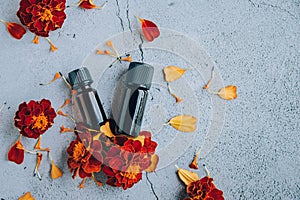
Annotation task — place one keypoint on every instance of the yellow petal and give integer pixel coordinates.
(55, 171)
(154, 162)
(187, 176)
(109, 43)
(26, 196)
(184, 123)
(173, 73)
(228, 92)
(106, 130)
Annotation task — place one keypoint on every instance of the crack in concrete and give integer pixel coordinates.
(140, 47)
(151, 186)
(252, 3)
(279, 8)
(118, 15)
(127, 15)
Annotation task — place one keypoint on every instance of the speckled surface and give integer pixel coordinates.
(254, 45)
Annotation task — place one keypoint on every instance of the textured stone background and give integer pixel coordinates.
(255, 45)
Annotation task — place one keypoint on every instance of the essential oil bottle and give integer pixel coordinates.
(87, 104)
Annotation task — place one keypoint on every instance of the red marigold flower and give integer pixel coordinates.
(42, 16)
(34, 119)
(126, 161)
(16, 153)
(85, 156)
(204, 189)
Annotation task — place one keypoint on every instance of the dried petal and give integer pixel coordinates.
(110, 44)
(99, 51)
(154, 162)
(87, 4)
(36, 39)
(106, 130)
(187, 176)
(65, 130)
(16, 153)
(184, 123)
(128, 59)
(26, 196)
(16, 30)
(38, 145)
(55, 171)
(172, 73)
(67, 101)
(52, 46)
(82, 183)
(177, 98)
(194, 163)
(38, 163)
(149, 29)
(56, 76)
(59, 112)
(228, 92)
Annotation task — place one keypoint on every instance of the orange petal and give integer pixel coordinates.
(59, 112)
(16, 153)
(36, 39)
(228, 92)
(154, 162)
(55, 171)
(99, 183)
(99, 51)
(177, 98)
(52, 46)
(187, 176)
(172, 73)
(106, 130)
(82, 183)
(26, 196)
(194, 163)
(149, 29)
(38, 145)
(184, 123)
(16, 30)
(67, 101)
(110, 44)
(56, 76)
(128, 59)
(87, 4)
(65, 130)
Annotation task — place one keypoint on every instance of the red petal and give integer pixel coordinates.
(15, 30)
(87, 5)
(150, 30)
(16, 153)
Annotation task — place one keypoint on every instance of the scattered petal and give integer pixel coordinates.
(67, 101)
(228, 92)
(16, 153)
(207, 85)
(172, 73)
(106, 130)
(26, 196)
(59, 112)
(177, 98)
(184, 123)
(128, 58)
(38, 145)
(149, 29)
(35, 39)
(56, 76)
(194, 163)
(52, 46)
(66, 130)
(187, 176)
(81, 186)
(38, 163)
(87, 4)
(55, 171)
(15, 30)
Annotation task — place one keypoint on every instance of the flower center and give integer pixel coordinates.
(131, 172)
(78, 151)
(47, 15)
(40, 122)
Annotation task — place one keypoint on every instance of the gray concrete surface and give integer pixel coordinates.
(255, 45)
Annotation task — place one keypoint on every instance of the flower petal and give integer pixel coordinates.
(15, 30)
(172, 73)
(187, 176)
(154, 162)
(149, 29)
(16, 153)
(55, 171)
(228, 92)
(26, 196)
(194, 163)
(184, 123)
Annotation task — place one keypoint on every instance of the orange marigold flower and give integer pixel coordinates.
(42, 16)
(15, 30)
(126, 161)
(85, 156)
(34, 119)
(203, 189)
(16, 153)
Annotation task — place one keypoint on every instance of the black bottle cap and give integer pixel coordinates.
(140, 74)
(80, 77)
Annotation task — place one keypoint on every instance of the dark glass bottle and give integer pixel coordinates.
(129, 111)
(87, 105)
